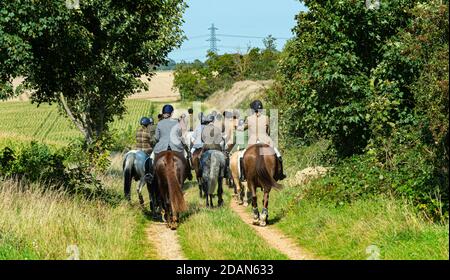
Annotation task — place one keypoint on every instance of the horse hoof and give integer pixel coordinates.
(263, 220)
(245, 204)
(256, 222)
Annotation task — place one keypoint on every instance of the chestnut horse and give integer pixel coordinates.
(170, 169)
(260, 165)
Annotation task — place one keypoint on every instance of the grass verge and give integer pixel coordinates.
(35, 224)
(219, 234)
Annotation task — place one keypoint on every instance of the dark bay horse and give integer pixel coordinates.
(170, 169)
(260, 165)
(196, 165)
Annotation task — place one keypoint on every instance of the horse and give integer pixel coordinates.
(260, 165)
(134, 167)
(196, 165)
(241, 189)
(169, 178)
(213, 174)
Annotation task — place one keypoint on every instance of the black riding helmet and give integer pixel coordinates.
(145, 121)
(256, 105)
(167, 109)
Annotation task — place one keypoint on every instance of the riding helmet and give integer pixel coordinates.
(228, 114)
(190, 111)
(210, 118)
(236, 114)
(256, 105)
(167, 109)
(145, 121)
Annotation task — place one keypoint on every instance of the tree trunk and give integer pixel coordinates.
(84, 129)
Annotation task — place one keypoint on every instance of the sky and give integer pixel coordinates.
(254, 18)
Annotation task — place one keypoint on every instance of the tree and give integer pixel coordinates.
(88, 60)
(326, 70)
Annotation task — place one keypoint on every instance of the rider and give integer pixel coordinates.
(212, 139)
(144, 135)
(169, 137)
(258, 132)
(191, 119)
(145, 140)
(196, 137)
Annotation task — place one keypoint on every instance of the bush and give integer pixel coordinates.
(375, 83)
(402, 169)
(67, 168)
(197, 80)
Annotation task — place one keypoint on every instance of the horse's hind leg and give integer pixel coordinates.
(153, 200)
(265, 212)
(220, 192)
(211, 201)
(200, 186)
(174, 221)
(254, 202)
(139, 191)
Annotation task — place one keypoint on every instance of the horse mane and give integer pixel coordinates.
(177, 201)
(264, 177)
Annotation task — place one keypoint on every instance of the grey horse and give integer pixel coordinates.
(135, 165)
(213, 174)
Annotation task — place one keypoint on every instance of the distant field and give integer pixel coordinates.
(23, 121)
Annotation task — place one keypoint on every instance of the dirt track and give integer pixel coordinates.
(273, 236)
(165, 241)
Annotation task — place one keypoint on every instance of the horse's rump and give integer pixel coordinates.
(214, 166)
(264, 158)
(169, 168)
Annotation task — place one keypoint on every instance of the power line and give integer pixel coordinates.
(198, 36)
(249, 37)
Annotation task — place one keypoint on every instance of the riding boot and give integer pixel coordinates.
(242, 175)
(280, 175)
(149, 173)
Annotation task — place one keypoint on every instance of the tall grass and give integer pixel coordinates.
(35, 224)
(346, 231)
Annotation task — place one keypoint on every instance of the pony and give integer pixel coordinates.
(169, 178)
(196, 165)
(213, 174)
(134, 167)
(260, 165)
(240, 188)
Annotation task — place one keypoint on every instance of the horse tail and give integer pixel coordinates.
(175, 194)
(214, 172)
(128, 173)
(261, 171)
